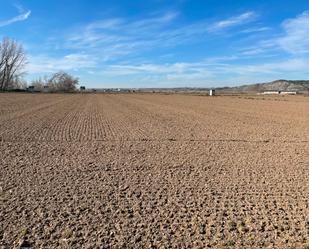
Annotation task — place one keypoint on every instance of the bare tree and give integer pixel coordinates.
(40, 83)
(12, 61)
(62, 82)
(18, 83)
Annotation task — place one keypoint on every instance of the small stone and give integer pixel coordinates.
(138, 239)
(24, 244)
(202, 229)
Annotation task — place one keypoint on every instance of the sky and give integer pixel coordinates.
(161, 43)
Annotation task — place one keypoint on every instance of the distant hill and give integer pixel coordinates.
(277, 85)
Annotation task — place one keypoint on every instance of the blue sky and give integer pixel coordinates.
(162, 43)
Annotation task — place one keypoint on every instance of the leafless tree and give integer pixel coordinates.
(40, 83)
(18, 83)
(62, 82)
(12, 61)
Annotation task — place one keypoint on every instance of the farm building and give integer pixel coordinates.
(288, 93)
(279, 92)
(270, 92)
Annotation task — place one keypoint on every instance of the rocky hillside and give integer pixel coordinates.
(278, 85)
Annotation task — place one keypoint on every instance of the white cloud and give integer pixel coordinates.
(209, 67)
(205, 73)
(294, 65)
(46, 64)
(292, 39)
(152, 22)
(116, 37)
(23, 15)
(112, 23)
(234, 21)
(172, 68)
(296, 39)
(115, 40)
(272, 68)
(200, 73)
(255, 30)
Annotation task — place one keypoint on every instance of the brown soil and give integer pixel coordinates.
(153, 171)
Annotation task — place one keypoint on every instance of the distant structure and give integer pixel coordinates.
(288, 93)
(279, 92)
(212, 92)
(30, 88)
(270, 92)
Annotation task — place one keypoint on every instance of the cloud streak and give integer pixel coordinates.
(130, 52)
(118, 36)
(23, 15)
(234, 21)
(205, 73)
(73, 62)
(293, 38)
(296, 39)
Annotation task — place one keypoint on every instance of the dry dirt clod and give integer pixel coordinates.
(24, 243)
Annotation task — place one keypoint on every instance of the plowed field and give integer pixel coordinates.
(153, 171)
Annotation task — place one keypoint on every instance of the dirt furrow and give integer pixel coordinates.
(153, 171)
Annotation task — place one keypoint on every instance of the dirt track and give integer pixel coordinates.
(153, 171)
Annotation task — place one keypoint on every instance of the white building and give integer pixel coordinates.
(212, 92)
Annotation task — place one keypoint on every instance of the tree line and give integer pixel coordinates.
(13, 61)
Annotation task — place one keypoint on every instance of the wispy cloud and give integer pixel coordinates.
(23, 15)
(104, 40)
(255, 30)
(176, 68)
(167, 74)
(262, 47)
(119, 36)
(294, 65)
(234, 21)
(296, 38)
(206, 73)
(169, 49)
(47, 64)
(292, 38)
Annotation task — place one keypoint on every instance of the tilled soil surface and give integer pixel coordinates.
(153, 171)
